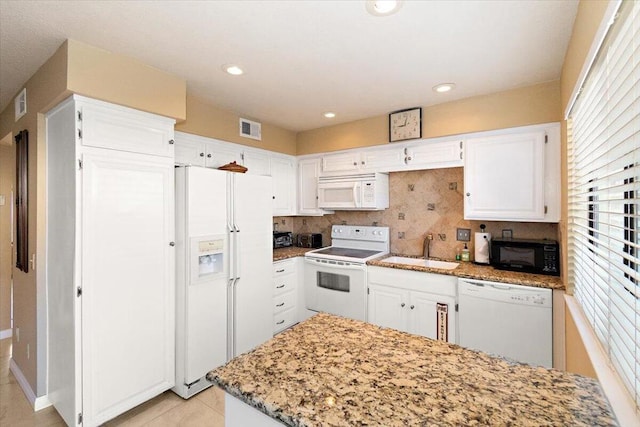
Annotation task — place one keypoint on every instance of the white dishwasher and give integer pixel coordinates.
(506, 320)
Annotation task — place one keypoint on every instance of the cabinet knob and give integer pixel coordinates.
(412, 307)
(362, 162)
(209, 155)
(355, 163)
(468, 194)
(280, 322)
(273, 197)
(171, 141)
(201, 154)
(172, 243)
(402, 305)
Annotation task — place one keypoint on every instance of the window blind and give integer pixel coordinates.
(603, 197)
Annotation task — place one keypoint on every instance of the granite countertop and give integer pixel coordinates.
(480, 272)
(333, 371)
(289, 252)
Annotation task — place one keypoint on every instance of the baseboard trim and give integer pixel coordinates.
(37, 402)
(6, 333)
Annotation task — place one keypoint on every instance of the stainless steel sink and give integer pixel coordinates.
(430, 263)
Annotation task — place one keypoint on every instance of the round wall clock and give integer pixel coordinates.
(405, 124)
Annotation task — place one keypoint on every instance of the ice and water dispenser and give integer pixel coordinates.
(208, 258)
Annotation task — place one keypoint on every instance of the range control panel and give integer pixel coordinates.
(355, 232)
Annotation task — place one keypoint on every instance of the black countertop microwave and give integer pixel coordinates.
(527, 256)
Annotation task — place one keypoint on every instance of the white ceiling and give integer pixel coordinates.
(302, 58)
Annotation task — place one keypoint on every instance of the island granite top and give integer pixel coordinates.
(333, 371)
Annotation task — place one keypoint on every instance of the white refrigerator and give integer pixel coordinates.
(224, 261)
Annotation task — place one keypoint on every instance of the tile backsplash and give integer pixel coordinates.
(420, 202)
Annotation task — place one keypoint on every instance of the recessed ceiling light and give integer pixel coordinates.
(444, 87)
(383, 7)
(329, 115)
(233, 69)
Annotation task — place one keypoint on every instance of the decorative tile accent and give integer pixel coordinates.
(411, 187)
(431, 206)
(453, 186)
(401, 216)
(442, 236)
(400, 234)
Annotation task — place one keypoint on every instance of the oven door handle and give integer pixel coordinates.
(318, 264)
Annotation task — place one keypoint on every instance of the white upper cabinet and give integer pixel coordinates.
(342, 163)
(283, 172)
(433, 155)
(383, 160)
(415, 155)
(308, 173)
(256, 162)
(513, 175)
(104, 125)
(212, 153)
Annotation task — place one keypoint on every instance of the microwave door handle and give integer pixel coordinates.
(356, 194)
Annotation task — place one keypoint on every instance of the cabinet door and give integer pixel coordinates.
(219, 154)
(432, 316)
(284, 186)
(342, 162)
(388, 307)
(308, 172)
(504, 177)
(189, 152)
(128, 282)
(431, 155)
(110, 126)
(256, 162)
(382, 160)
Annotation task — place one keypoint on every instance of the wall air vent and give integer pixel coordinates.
(250, 129)
(21, 104)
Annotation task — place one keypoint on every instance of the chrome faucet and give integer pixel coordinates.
(427, 241)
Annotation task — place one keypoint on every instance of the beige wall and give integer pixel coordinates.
(44, 89)
(588, 19)
(518, 107)
(110, 77)
(206, 120)
(98, 74)
(7, 173)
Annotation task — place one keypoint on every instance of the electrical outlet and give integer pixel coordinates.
(463, 234)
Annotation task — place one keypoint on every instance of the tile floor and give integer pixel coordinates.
(204, 409)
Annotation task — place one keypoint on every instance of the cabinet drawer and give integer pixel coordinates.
(284, 301)
(284, 284)
(283, 320)
(283, 268)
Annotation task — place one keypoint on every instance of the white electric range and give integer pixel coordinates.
(336, 276)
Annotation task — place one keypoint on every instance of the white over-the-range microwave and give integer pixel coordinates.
(368, 191)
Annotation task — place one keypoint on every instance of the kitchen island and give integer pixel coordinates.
(333, 371)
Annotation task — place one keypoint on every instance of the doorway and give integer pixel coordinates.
(7, 185)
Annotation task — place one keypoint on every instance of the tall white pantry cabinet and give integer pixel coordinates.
(110, 259)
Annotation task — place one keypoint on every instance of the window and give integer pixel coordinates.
(604, 193)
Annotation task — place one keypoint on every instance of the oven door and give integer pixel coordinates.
(336, 287)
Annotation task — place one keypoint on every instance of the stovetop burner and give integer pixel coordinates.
(347, 252)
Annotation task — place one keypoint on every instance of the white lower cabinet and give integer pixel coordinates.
(110, 262)
(285, 296)
(415, 302)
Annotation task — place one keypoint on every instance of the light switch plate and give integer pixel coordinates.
(463, 234)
